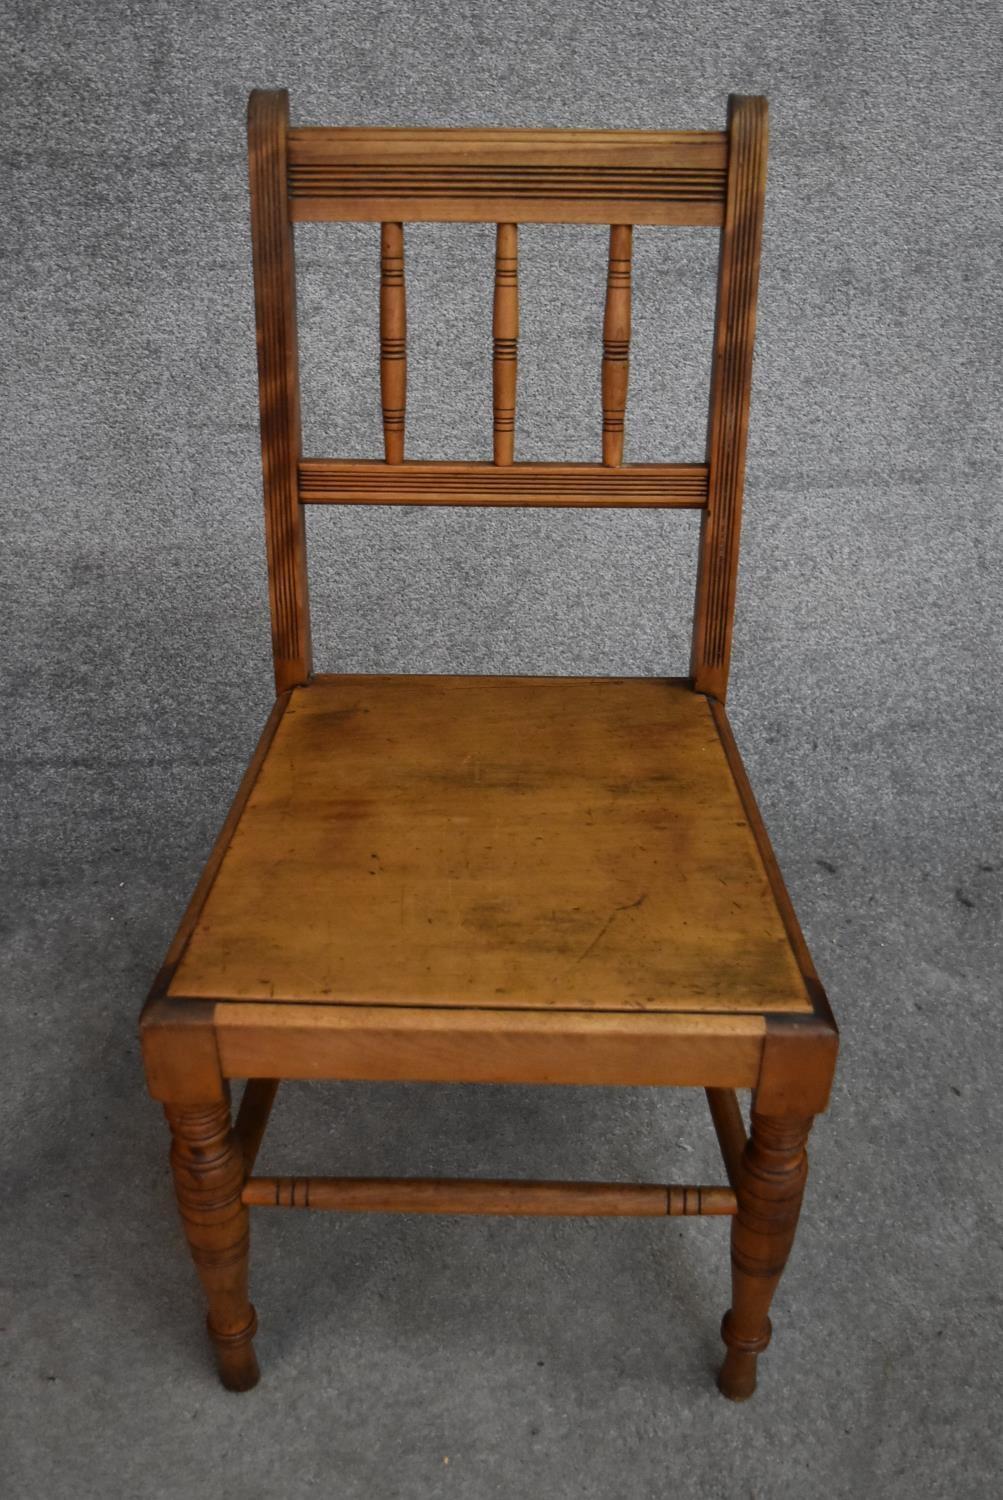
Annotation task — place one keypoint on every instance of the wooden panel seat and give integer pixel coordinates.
(506, 842)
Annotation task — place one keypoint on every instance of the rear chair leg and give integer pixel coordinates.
(208, 1167)
(253, 1116)
(770, 1186)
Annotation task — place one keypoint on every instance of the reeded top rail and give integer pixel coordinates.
(524, 176)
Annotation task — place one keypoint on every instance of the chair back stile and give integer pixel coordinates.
(508, 177)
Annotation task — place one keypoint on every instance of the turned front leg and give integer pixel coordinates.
(769, 1189)
(208, 1168)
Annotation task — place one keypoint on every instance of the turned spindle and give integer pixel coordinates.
(208, 1168)
(770, 1187)
(506, 338)
(616, 343)
(393, 340)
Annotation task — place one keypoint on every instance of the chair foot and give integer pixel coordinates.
(737, 1377)
(235, 1357)
(770, 1187)
(208, 1167)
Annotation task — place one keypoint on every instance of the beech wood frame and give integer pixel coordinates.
(193, 1047)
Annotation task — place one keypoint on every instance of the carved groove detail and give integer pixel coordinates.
(571, 183)
(348, 180)
(505, 328)
(508, 176)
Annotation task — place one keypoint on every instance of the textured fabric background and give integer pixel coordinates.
(539, 1358)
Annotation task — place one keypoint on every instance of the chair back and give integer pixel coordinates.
(506, 177)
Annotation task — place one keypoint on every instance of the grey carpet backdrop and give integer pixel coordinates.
(542, 1359)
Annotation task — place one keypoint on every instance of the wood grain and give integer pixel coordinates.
(328, 481)
(411, 1044)
(393, 340)
(799, 1064)
(505, 331)
(731, 383)
(616, 343)
(278, 385)
(507, 176)
(541, 842)
(440, 1195)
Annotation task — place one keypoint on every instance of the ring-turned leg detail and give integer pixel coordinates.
(770, 1188)
(208, 1168)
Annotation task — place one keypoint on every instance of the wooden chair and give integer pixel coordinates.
(495, 879)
